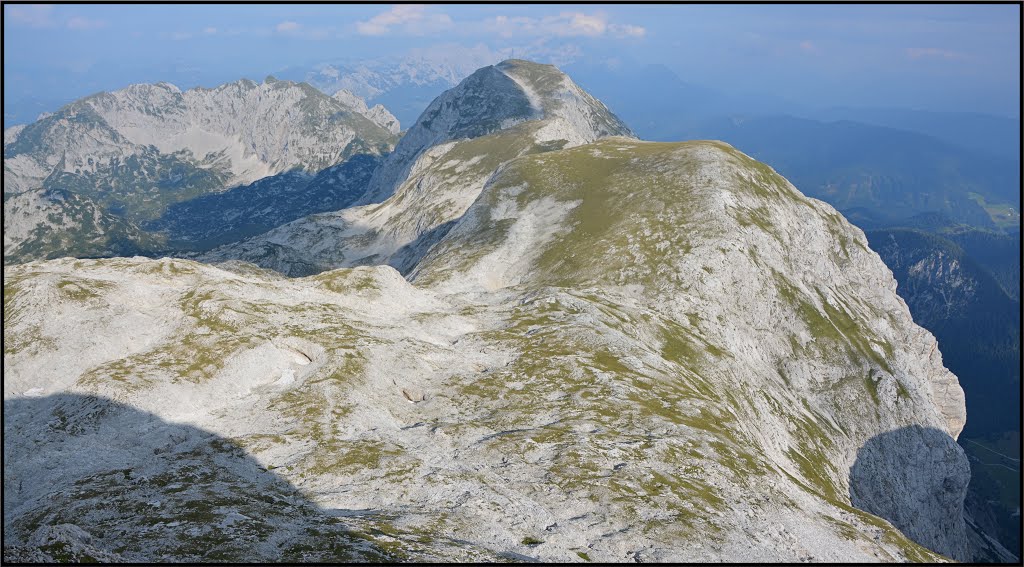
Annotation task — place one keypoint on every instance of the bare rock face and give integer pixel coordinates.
(137, 151)
(378, 114)
(252, 130)
(916, 478)
(596, 350)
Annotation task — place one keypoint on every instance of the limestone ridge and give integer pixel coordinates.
(138, 150)
(437, 169)
(378, 114)
(603, 350)
(260, 129)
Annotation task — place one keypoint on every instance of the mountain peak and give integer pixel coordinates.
(237, 132)
(378, 114)
(496, 98)
(556, 95)
(167, 86)
(348, 98)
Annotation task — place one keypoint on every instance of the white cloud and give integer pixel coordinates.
(462, 59)
(410, 19)
(300, 31)
(627, 30)
(180, 36)
(43, 16)
(210, 30)
(80, 23)
(582, 24)
(808, 46)
(565, 24)
(922, 52)
(32, 15)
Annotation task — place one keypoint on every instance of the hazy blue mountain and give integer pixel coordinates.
(878, 166)
(998, 135)
(659, 105)
(405, 84)
(881, 175)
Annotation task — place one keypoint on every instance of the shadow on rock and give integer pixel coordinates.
(916, 477)
(89, 478)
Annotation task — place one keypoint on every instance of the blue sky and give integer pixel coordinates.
(939, 57)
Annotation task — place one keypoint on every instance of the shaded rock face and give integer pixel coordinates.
(229, 216)
(486, 101)
(916, 477)
(168, 490)
(488, 98)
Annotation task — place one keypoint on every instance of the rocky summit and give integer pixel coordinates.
(437, 170)
(535, 338)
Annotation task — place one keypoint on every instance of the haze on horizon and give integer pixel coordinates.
(962, 58)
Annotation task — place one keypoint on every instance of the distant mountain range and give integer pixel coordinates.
(877, 175)
(983, 133)
(137, 170)
(404, 84)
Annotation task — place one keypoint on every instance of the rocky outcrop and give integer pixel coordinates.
(378, 114)
(916, 478)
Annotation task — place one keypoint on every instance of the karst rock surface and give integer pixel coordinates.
(613, 350)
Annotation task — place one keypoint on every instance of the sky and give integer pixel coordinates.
(926, 57)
